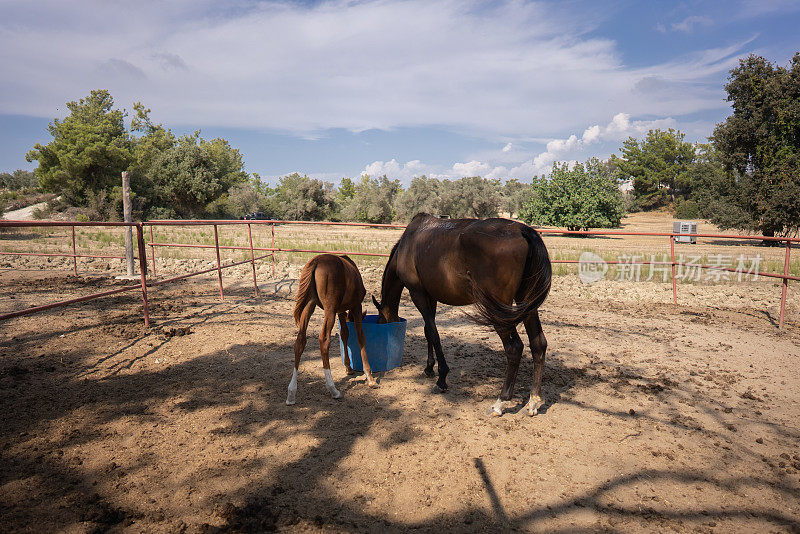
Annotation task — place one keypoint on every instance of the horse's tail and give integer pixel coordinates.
(532, 291)
(306, 289)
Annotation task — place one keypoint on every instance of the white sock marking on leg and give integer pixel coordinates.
(290, 397)
(330, 385)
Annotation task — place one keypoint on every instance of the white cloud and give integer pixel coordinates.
(561, 145)
(620, 127)
(688, 24)
(472, 168)
(567, 149)
(402, 171)
(591, 134)
(501, 69)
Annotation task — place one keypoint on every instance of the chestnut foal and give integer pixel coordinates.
(334, 284)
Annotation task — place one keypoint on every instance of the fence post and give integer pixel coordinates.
(143, 271)
(672, 256)
(252, 259)
(785, 287)
(272, 226)
(219, 263)
(127, 217)
(153, 250)
(74, 254)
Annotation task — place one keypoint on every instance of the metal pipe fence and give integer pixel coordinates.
(272, 250)
(72, 224)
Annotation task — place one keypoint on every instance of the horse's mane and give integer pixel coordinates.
(391, 257)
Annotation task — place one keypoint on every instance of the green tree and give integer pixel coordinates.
(513, 195)
(346, 191)
(19, 179)
(244, 198)
(89, 150)
(658, 166)
(712, 188)
(422, 195)
(153, 141)
(373, 201)
(194, 173)
(759, 144)
(471, 196)
(586, 196)
(300, 198)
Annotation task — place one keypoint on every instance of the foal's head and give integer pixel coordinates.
(385, 315)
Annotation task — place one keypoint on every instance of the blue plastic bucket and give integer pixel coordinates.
(384, 344)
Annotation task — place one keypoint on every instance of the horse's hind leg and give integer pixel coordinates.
(538, 347)
(431, 352)
(324, 347)
(513, 347)
(362, 344)
(299, 347)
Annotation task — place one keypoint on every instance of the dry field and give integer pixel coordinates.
(109, 241)
(658, 417)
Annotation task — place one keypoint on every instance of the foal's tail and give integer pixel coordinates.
(532, 291)
(306, 289)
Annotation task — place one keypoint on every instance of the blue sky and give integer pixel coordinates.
(331, 89)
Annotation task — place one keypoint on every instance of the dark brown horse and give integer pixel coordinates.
(491, 263)
(334, 284)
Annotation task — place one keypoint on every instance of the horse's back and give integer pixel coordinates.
(444, 257)
(338, 282)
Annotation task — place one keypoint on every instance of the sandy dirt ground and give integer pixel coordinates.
(658, 418)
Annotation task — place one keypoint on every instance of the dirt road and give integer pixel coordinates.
(23, 214)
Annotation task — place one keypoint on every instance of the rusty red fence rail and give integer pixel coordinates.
(142, 257)
(672, 235)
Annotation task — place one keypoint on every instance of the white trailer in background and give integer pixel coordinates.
(684, 227)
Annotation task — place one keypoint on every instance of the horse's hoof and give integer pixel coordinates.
(336, 394)
(290, 402)
(534, 404)
(352, 372)
(499, 407)
(437, 389)
(374, 384)
(429, 372)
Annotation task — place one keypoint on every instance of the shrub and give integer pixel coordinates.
(687, 209)
(160, 213)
